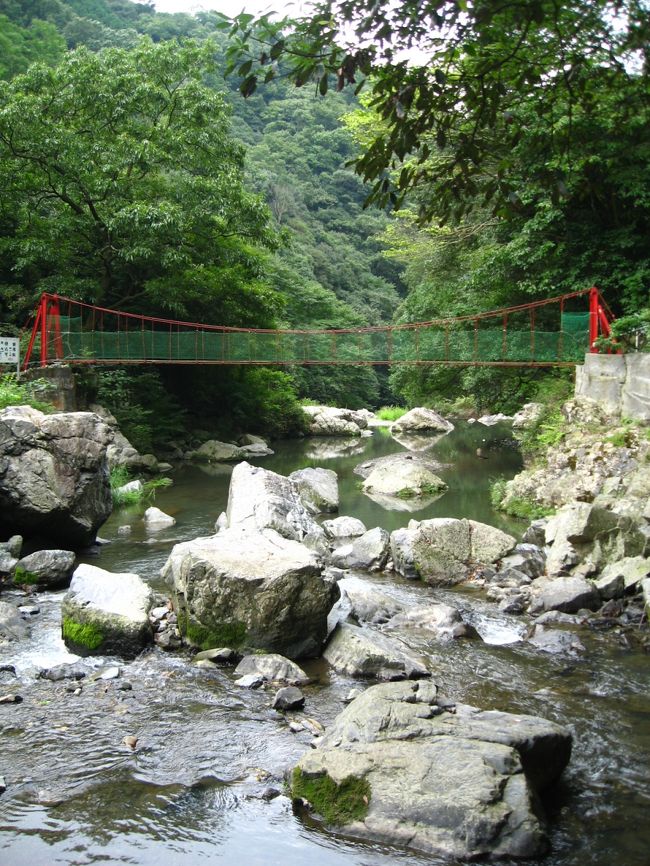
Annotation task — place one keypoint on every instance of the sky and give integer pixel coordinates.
(229, 7)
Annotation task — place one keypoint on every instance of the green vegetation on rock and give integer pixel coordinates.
(24, 577)
(227, 634)
(83, 635)
(338, 804)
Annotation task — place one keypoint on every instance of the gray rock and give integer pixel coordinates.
(7, 563)
(626, 574)
(11, 699)
(555, 641)
(444, 550)
(74, 671)
(53, 475)
(156, 519)
(12, 625)
(442, 620)
(528, 559)
(366, 602)
(218, 655)
(288, 698)
(562, 557)
(528, 416)
(645, 589)
(403, 477)
(3, 785)
(449, 780)
(110, 673)
(257, 449)
(419, 419)
(360, 652)
(536, 532)
(329, 421)
(250, 439)
(214, 451)
(491, 420)
(368, 552)
(272, 667)
(318, 489)
(13, 547)
(566, 594)
(254, 588)
(250, 681)
(134, 486)
(105, 613)
(343, 528)
(260, 499)
(47, 568)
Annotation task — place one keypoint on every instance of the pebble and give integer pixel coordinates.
(270, 793)
(124, 686)
(130, 741)
(111, 673)
(64, 672)
(28, 610)
(296, 727)
(11, 699)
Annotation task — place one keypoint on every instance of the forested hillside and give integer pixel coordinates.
(249, 212)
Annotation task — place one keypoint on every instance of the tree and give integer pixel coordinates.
(123, 186)
(449, 79)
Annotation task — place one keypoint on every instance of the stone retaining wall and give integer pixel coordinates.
(620, 383)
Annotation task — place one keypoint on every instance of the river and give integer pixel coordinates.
(196, 787)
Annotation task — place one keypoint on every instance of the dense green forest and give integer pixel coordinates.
(511, 165)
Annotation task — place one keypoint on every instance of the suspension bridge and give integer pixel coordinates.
(552, 332)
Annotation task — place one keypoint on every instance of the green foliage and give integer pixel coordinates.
(147, 413)
(227, 634)
(339, 804)
(21, 46)
(629, 333)
(23, 577)
(450, 123)
(13, 392)
(85, 635)
(120, 476)
(390, 413)
(516, 506)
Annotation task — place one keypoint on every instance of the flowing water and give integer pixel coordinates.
(196, 787)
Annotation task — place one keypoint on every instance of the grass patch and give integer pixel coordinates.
(338, 804)
(88, 636)
(390, 413)
(16, 393)
(424, 490)
(120, 476)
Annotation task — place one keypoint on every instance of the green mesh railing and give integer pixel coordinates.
(540, 333)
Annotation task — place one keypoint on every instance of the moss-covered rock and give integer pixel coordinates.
(339, 804)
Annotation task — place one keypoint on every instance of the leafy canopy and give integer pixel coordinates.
(123, 185)
(449, 78)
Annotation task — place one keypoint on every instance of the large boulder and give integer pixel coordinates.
(362, 652)
(243, 587)
(329, 421)
(54, 481)
(444, 550)
(317, 488)
(343, 528)
(214, 451)
(420, 419)
(454, 781)
(260, 499)
(12, 625)
(106, 614)
(366, 602)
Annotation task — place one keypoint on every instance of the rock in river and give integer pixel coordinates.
(361, 652)
(53, 475)
(244, 587)
(404, 766)
(106, 614)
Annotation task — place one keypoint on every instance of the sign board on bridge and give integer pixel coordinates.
(10, 351)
